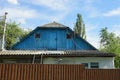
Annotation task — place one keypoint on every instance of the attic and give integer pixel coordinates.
(53, 36)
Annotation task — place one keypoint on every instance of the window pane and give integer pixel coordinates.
(68, 36)
(37, 35)
(86, 65)
(94, 65)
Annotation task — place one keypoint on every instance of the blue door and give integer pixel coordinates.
(52, 41)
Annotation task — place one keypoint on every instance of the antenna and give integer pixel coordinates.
(4, 29)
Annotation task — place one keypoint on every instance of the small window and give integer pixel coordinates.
(69, 36)
(94, 65)
(86, 65)
(37, 35)
(9, 61)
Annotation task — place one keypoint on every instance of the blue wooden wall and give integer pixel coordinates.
(53, 39)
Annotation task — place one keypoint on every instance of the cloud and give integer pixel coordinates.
(92, 35)
(52, 4)
(114, 12)
(88, 7)
(89, 1)
(94, 40)
(22, 14)
(19, 13)
(21, 20)
(115, 28)
(55, 17)
(90, 27)
(13, 1)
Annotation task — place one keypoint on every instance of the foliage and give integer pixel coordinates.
(80, 27)
(109, 42)
(117, 61)
(13, 34)
(1, 25)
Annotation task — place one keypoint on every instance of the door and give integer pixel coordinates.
(52, 41)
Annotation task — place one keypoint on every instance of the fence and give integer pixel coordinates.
(55, 72)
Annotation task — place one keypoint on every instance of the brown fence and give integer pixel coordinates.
(102, 74)
(55, 72)
(40, 72)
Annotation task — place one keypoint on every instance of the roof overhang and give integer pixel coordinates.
(80, 53)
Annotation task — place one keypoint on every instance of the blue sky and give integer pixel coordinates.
(96, 14)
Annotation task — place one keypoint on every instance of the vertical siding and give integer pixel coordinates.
(55, 72)
(40, 72)
(61, 40)
(53, 39)
(102, 74)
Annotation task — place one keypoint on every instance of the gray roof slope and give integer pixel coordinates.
(54, 24)
(82, 53)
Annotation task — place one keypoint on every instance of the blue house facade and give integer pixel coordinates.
(53, 36)
(55, 43)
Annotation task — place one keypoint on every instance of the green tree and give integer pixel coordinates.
(80, 27)
(1, 25)
(13, 34)
(109, 42)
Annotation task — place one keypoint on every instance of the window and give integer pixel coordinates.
(68, 36)
(9, 61)
(86, 65)
(37, 35)
(94, 65)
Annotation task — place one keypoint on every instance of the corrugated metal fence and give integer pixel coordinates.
(102, 74)
(40, 72)
(55, 72)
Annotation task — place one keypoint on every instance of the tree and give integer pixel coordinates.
(1, 25)
(13, 34)
(80, 27)
(109, 42)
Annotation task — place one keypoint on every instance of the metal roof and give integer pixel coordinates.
(53, 24)
(82, 53)
(29, 52)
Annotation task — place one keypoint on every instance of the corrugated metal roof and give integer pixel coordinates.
(89, 53)
(29, 52)
(53, 24)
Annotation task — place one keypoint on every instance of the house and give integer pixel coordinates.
(55, 43)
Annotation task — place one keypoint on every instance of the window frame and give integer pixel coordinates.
(94, 65)
(37, 35)
(86, 65)
(68, 36)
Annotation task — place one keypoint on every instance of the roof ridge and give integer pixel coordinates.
(53, 24)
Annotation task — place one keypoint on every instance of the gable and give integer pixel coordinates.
(53, 38)
(80, 43)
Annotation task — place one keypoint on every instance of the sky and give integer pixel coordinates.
(96, 14)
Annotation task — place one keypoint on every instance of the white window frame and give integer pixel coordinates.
(89, 64)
